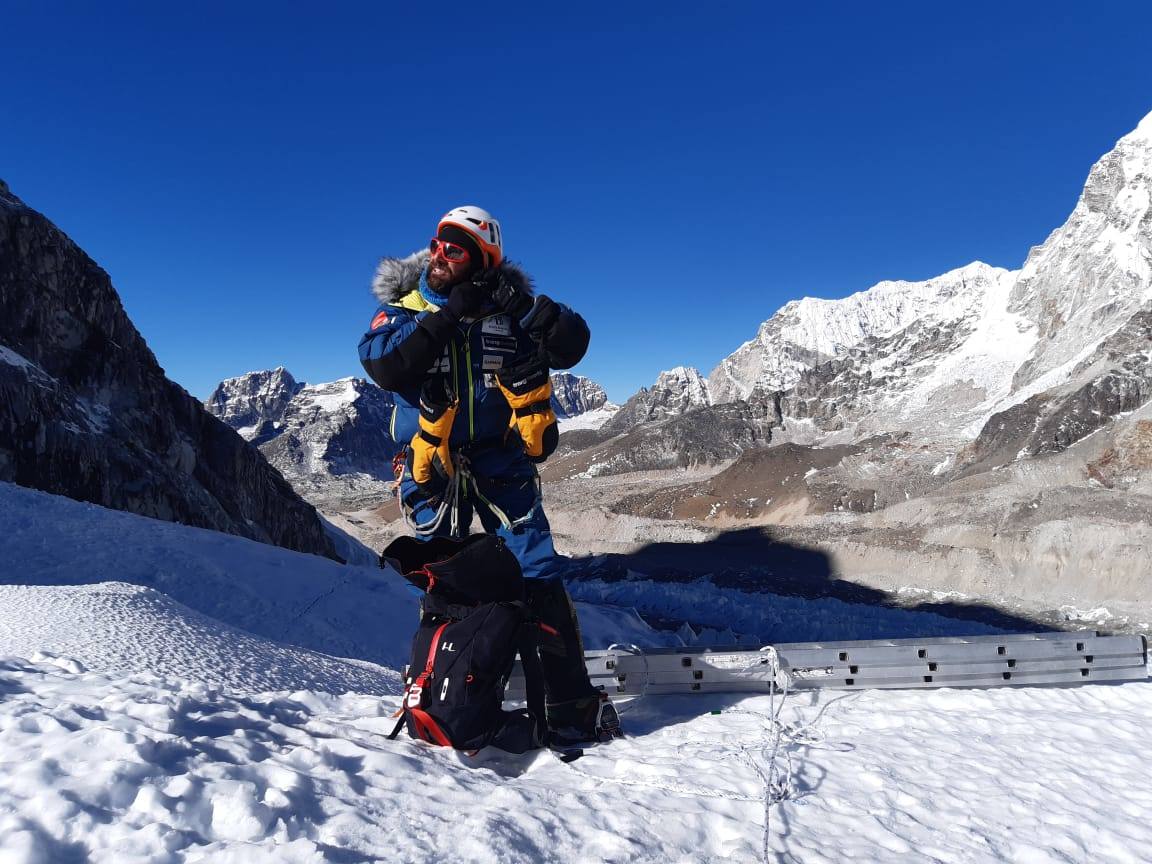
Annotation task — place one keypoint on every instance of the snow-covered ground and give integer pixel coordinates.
(174, 695)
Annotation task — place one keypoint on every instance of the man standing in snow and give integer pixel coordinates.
(465, 345)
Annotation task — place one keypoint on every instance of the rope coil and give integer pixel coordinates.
(462, 482)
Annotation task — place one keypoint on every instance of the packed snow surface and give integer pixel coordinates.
(218, 726)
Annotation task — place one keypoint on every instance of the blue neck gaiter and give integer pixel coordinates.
(428, 294)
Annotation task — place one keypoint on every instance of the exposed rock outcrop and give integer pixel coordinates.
(330, 441)
(675, 392)
(573, 395)
(86, 411)
(700, 437)
(1114, 379)
(247, 402)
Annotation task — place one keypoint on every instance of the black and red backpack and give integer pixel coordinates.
(473, 623)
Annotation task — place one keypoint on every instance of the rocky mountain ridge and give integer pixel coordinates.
(331, 441)
(951, 359)
(810, 331)
(573, 395)
(675, 392)
(87, 412)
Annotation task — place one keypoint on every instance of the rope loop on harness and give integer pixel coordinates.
(460, 485)
(449, 502)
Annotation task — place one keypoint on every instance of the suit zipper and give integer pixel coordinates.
(471, 395)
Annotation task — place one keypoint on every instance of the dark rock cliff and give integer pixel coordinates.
(87, 412)
(574, 394)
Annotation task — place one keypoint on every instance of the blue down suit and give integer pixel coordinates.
(410, 341)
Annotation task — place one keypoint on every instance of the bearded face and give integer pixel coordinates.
(443, 273)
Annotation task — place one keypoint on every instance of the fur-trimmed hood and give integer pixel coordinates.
(397, 277)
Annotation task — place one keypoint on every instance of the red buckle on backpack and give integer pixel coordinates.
(425, 726)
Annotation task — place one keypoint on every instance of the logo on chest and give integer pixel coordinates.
(503, 344)
(497, 325)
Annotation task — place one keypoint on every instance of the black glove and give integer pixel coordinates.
(543, 316)
(508, 296)
(466, 299)
(488, 278)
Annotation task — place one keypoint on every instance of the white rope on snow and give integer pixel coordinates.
(778, 786)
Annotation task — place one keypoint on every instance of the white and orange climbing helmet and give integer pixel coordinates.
(480, 226)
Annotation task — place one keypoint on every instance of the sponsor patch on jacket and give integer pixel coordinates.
(489, 380)
(380, 320)
(498, 325)
(506, 344)
(492, 361)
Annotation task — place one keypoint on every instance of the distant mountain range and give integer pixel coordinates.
(331, 441)
(985, 426)
(986, 431)
(989, 364)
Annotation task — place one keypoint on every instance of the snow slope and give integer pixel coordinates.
(269, 592)
(810, 330)
(123, 629)
(168, 695)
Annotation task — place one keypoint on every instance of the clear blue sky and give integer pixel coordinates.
(676, 172)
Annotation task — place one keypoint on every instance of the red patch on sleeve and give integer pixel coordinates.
(379, 321)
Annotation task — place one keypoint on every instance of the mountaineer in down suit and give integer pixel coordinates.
(465, 344)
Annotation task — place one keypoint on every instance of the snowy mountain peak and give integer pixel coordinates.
(810, 331)
(685, 384)
(247, 401)
(676, 391)
(1094, 272)
(335, 395)
(941, 356)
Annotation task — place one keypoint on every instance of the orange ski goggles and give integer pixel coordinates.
(448, 251)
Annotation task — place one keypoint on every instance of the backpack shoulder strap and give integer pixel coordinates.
(527, 648)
